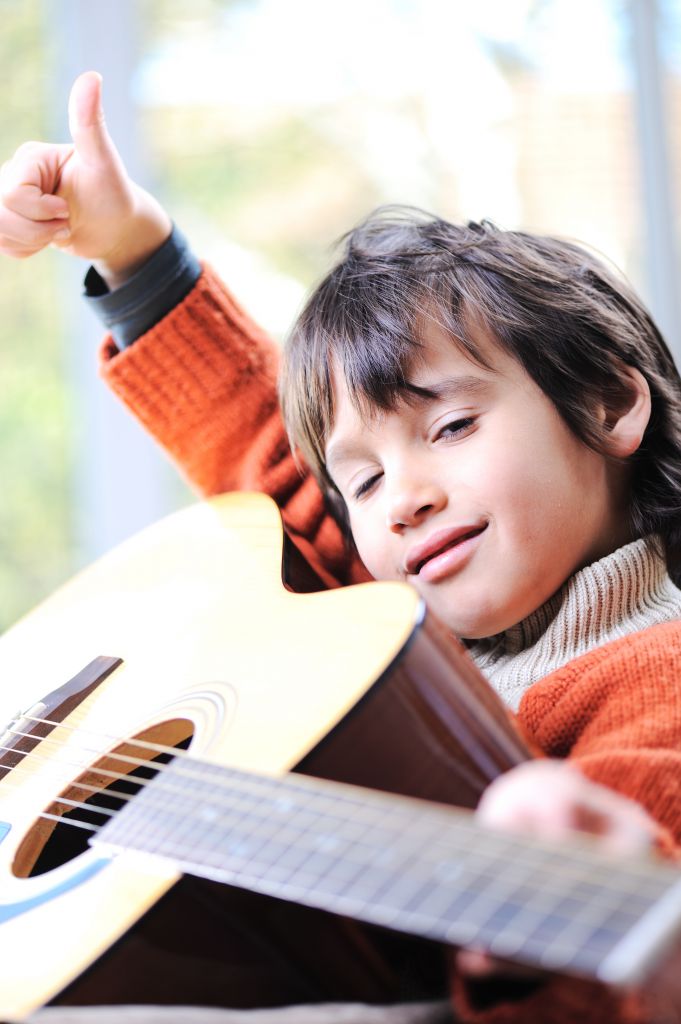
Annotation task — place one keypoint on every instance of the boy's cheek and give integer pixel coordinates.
(370, 542)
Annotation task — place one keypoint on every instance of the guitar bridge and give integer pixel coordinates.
(24, 733)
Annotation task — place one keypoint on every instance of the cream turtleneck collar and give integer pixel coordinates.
(622, 593)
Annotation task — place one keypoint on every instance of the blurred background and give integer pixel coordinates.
(268, 128)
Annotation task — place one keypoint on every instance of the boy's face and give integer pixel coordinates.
(481, 498)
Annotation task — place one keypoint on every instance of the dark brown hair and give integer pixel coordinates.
(568, 320)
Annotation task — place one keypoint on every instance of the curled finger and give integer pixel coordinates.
(28, 182)
(19, 234)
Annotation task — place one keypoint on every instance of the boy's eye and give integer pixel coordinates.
(456, 427)
(366, 486)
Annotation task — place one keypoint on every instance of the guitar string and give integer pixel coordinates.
(241, 782)
(592, 908)
(482, 883)
(146, 744)
(142, 744)
(539, 904)
(151, 764)
(542, 903)
(137, 762)
(589, 907)
(253, 834)
(96, 809)
(156, 748)
(110, 790)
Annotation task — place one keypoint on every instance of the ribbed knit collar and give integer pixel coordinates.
(622, 593)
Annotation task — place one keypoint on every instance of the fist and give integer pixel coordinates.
(78, 195)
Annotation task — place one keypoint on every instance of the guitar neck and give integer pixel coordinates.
(407, 864)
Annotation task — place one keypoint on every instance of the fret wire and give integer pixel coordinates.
(476, 838)
(629, 906)
(301, 878)
(312, 847)
(520, 928)
(510, 937)
(447, 823)
(299, 885)
(264, 839)
(313, 851)
(301, 819)
(332, 806)
(292, 828)
(539, 902)
(560, 938)
(537, 905)
(295, 821)
(238, 778)
(269, 835)
(562, 949)
(296, 889)
(300, 866)
(580, 930)
(182, 766)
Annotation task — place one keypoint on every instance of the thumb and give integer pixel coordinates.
(86, 119)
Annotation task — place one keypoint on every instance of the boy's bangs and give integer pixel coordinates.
(367, 332)
(378, 343)
(373, 352)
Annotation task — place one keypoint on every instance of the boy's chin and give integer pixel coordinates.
(467, 630)
(470, 628)
(469, 613)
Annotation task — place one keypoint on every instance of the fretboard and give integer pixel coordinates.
(410, 865)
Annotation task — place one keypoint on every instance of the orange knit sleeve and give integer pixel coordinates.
(616, 712)
(203, 382)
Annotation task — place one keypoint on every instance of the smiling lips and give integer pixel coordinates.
(428, 554)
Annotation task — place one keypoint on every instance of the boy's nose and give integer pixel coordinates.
(409, 506)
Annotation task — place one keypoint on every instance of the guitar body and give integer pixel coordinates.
(356, 684)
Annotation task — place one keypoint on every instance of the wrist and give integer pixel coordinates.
(147, 228)
(149, 295)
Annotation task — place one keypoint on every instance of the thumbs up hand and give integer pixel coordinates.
(79, 197)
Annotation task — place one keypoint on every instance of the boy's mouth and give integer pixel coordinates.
(437, 544)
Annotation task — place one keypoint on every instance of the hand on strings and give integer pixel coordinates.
(553, 800)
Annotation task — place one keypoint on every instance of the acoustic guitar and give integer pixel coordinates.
(267, 733)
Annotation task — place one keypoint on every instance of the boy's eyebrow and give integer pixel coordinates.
(446, 389)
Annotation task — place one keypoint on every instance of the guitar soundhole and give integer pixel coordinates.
(49, 844)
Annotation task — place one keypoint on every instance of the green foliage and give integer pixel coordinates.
(35, 443)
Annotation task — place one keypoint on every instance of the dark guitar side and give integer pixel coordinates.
(430, 727)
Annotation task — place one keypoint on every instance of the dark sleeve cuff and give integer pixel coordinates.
(156, 288)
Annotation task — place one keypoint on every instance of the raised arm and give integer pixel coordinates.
(201, 377)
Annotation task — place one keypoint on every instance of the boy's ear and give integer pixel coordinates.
(626, 423)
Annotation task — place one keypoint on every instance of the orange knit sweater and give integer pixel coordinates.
(203, 382)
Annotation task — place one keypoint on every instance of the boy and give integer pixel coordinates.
(496, 420)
